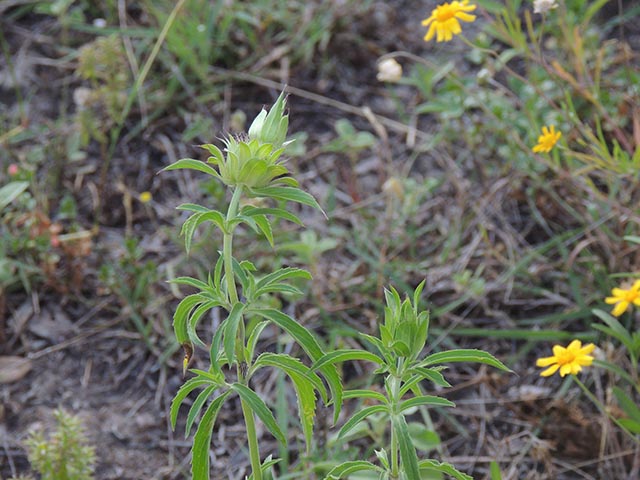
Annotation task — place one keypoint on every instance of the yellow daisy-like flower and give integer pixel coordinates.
(547, 140)
(569, 360)
(444, 20)
(623, 298)
(145, 197)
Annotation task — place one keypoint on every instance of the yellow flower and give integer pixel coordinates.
(444, 20)
(622, 298)
(547, 140)
(569, 360)
(145, 197)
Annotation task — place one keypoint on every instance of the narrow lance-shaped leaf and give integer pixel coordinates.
(310, 345)
(360, 416)
(202, 439)
(425, 400)
(370, 394)
(305, 383)
(445, 468)
(260, 409)
(407, 450)
(191, 164)
(347, 468)
(463, 355)
(231, 331)
(250, 211)
(189, 386)
(339, 356)
(197, 406)
(286, 193)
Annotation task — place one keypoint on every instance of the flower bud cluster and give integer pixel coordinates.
(254, 160)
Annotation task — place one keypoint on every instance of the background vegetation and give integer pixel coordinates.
(431, 178)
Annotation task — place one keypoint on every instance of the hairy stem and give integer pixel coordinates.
(252, 440)
(394, 384)
(249, 419)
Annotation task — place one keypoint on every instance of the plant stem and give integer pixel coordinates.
(394, 383)
(227, 248)
(249, 419)
(252, 440)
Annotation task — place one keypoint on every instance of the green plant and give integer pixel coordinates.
(252, 167)
(64, 454)
(400, 345)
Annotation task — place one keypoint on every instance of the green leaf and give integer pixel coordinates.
(463, 355)
(423, 438)
(408, 453)
(188, 229)
(195, 317)
(189, 386)
(312, 348)
(215, 217)
(10, 192)
(338, 356)
(193, 282)
(181, 316)
(305, 383)
(360, 416)
(289, 365)
(494, 471)
(231, 331)
(253, 338)
(258, 407)
(280, 275)
(202, 439)
(627, 404)
(250, 211)
(191, 164)
(265, 227)
(347, 468)
(370, 394)
(266, 465)
(629, 424)
(193, 207)
(290, 194)
(197, 406)
(425, 400)
(444, 468)
(431, 374)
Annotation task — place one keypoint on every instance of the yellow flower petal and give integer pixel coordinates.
(620, 308)
(565, 369)
(549, 371)
(587, 349)
(575, 345)
(546, 361)
(465, 17)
